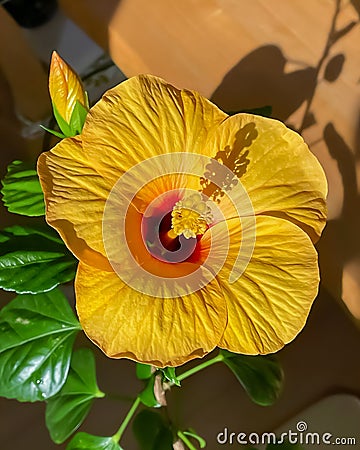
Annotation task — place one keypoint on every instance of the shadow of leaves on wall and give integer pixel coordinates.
(261, 78)
(340, 242)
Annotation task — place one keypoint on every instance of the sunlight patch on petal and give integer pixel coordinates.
(143, 117)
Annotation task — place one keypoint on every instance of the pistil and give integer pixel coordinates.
(190, 216)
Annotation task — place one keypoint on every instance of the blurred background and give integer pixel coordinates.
(302, 58)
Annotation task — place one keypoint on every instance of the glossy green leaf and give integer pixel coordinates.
(170, 375)
(85, 441)
(264, 111)
(151, 432)
(37, 333)
(33, 260)
(67, 410)
(144, 371)
(261, 376)
(78, 117)
(22, 193)
(147, 396)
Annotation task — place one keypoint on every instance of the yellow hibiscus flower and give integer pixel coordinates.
(193, 229)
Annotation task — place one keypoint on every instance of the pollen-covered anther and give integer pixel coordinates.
(191, 216)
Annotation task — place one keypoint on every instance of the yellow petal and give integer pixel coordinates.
(144, 117)
(280, 174)
(149, 180)
(270, 302)
(161, 332)
(75, 198)
(65, 87)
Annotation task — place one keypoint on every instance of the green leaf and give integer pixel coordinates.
(63, 125)
(55, 133)
(151, 431)
(37, 333)
(144, 371)
(33, 260)
(67, 410)
(85, 441)
(78, 117)
(260, 376)
(192, 434)
(147, 396)
(264, 111)
(170, 375)
(22, 193)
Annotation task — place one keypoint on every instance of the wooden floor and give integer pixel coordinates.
(324, 358)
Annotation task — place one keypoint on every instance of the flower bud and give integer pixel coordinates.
(67, 95)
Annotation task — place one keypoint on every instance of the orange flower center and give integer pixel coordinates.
(173, 237)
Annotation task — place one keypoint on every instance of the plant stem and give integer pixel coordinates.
(185, 440)
(202, 366)
(117, 436)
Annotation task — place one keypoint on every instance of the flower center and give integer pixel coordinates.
(190, 216)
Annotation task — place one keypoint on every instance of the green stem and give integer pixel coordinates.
(202, 366)
(185, 440)
(117, 436)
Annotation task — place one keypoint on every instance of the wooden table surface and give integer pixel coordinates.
(242, 54)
